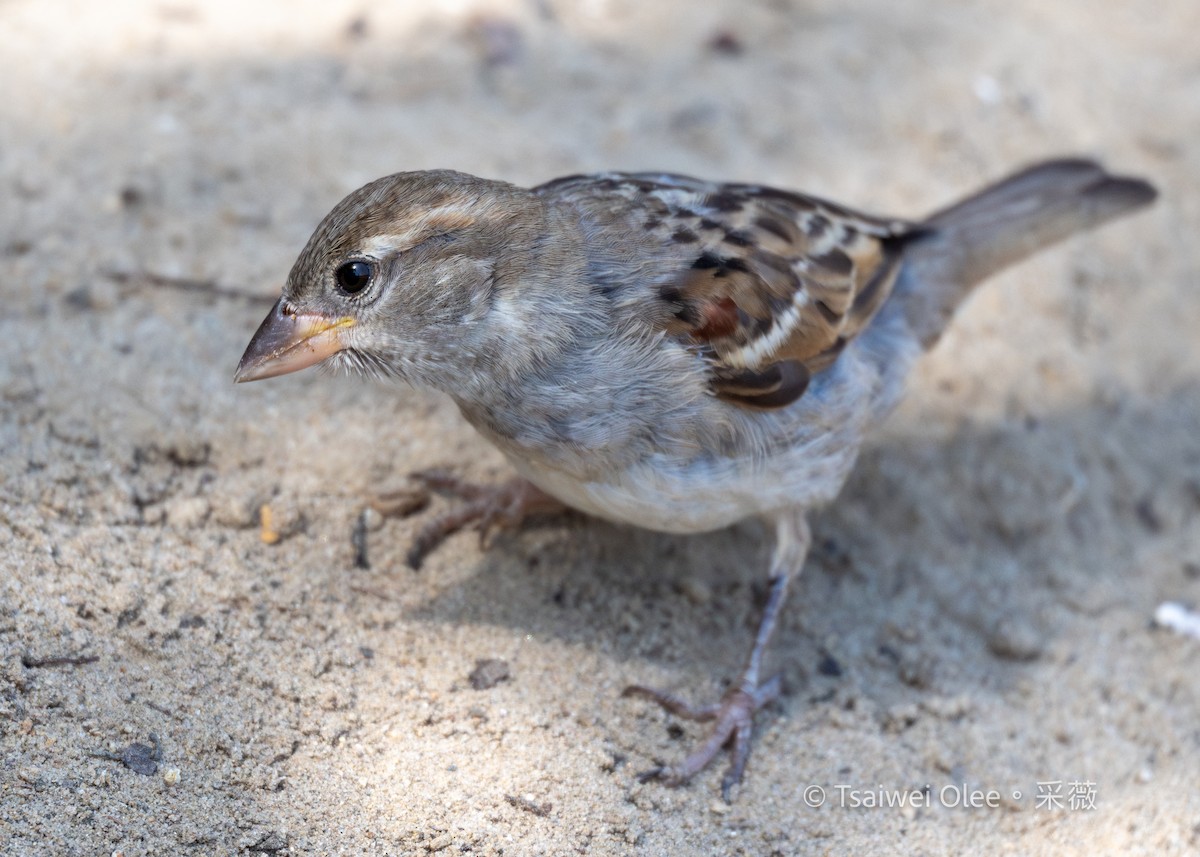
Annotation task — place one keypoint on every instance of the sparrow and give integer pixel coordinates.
(658, 350)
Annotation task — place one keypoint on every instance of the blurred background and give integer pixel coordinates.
(978, 612)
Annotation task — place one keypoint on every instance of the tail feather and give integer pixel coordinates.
(1003, 224)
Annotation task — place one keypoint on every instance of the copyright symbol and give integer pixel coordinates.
(814, 796)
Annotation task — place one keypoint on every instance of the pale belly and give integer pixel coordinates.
(675, 496)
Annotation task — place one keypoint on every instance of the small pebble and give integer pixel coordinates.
(916, 668)
(696, 591)
(188, 451)
(186, 512)
(829, 666)
(948, 707)
(141, 758)
(727, 43)
(235, 510)
(488, 673)
(170, 776)
(371, 519)
(901, 717)
(1015, 640)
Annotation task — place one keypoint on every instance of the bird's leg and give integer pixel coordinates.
(733, 716)
(484, 507)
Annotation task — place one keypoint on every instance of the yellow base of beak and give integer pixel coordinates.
(288, 341)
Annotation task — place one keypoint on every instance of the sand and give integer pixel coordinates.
(975, 620)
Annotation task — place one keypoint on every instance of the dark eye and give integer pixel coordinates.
(353, 277)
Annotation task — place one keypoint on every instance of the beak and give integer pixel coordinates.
(288, 341)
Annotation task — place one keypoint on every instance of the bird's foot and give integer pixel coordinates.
(733, 723)
(484, 507)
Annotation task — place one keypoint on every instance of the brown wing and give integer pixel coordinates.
(771, 285)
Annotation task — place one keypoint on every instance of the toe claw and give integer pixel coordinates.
(727, 784)
(652, 774)
(767, 692)
(400, 503)
(415, 557)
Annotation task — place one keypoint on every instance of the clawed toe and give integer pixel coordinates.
(484, 507)
(650, 775)
(733, 719)
(674, 704)
(440, 527)
(400, 503)
(444, 482)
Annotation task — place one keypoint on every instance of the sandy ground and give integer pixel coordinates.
(976, 614)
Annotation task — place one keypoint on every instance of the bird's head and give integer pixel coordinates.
(418, 275)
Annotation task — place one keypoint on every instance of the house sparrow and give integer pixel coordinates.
(655, 349)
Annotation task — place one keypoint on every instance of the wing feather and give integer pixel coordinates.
(769, 286)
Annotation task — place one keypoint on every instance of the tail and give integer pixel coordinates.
(1001, 225)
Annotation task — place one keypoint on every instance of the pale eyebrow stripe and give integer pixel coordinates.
(380, 245)
(436, 222)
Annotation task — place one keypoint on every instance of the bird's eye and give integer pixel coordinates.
(353, 277)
